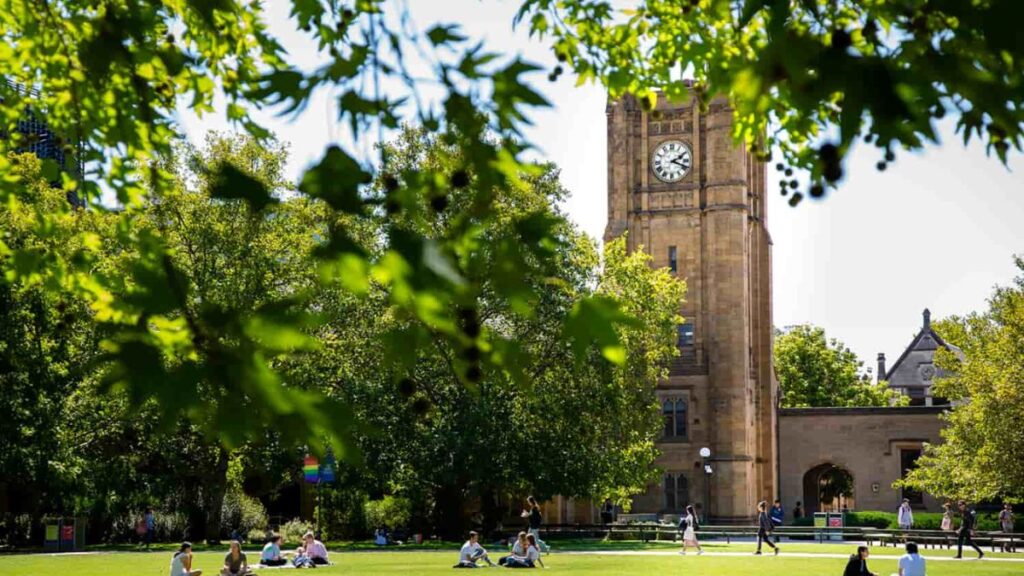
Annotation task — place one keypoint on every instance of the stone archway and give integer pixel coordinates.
(828, 488)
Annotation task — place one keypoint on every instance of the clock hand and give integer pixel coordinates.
(676, 160)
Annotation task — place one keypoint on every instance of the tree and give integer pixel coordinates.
(562, 422)
(107, 77)
(797, 73)
(814, 371)
(981, 456)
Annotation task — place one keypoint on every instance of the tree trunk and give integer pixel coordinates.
(448, 518)
(213, 493)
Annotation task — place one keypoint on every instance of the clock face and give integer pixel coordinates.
(671, 161)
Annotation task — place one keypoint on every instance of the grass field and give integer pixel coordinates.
(724, 560)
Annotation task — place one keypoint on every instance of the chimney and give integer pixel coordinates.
(927, 319)
(881, 367)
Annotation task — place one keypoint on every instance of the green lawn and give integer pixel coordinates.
(399, 563)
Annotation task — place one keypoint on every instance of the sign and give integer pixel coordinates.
(311, 469)
(51, 532)
(835, 522)
(67, 533)
(327, 469)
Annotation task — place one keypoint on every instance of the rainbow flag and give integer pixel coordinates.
(311, 469)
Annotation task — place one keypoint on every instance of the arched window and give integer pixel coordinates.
(681, 415)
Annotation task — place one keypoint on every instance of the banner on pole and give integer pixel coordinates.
(311, 469)
(327, 469)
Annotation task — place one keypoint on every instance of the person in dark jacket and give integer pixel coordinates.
(858, 564)
(764, 528)
(965, 533)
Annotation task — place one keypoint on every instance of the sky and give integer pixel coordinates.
(937, 229)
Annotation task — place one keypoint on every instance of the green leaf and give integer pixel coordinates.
(230, 183)
(445, 34)
(336, 180)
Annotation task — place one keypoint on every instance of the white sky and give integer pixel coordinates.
(937, 229)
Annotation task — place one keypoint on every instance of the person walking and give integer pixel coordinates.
(905, 516)
(607, 511)
(947, 518)
(1006, 518)
(764, 528)
(689, 525)
(911, 563)
(965, 534)
(535, 520)
(778, 514)
(150, 521)
(858, 563)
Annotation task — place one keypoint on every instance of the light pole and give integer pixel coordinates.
(705, 454)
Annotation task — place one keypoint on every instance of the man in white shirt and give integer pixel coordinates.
(905, 517)
(472, 552)
(911, 564)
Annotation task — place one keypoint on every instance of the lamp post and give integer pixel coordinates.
(705, 454)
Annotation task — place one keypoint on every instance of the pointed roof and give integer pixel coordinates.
(915, 367)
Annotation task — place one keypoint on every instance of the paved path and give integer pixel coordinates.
(971, 558)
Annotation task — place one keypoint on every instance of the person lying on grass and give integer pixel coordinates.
(235, 563)
(181, 562)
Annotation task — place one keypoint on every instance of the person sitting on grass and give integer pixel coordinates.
(235, 563)
(181, 562)
(529, 560)
(858, 564)
(271, 555)
(472, 552)
(315, 549)
(518, 550)
(911, 563)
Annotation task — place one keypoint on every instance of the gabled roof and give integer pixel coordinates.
(921, 351)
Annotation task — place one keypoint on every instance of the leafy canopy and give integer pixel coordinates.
(815, 371)
(981, 456)
(810, 77)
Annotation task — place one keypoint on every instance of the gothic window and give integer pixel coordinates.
(673, 259)
(674, 412)
(675, 492)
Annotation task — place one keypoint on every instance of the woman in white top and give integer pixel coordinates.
(947, 518)
(690, 533)
(533, 552)
(181, 562)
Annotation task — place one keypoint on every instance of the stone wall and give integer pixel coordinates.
(866, 442)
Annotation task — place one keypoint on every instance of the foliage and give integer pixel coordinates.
(814, 371)
(558, 423)
(108, 78)
(293, 530)
(241, 513)
(981, 456)
(811, 77)
(389, 512)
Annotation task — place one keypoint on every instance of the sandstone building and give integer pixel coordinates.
(682, 191)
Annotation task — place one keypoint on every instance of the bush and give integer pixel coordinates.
(242, 513)
(871, 519)
(392, 512)
(293, 531)
(342, 514)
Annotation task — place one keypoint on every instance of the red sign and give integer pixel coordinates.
(67, 532)
(835, 522)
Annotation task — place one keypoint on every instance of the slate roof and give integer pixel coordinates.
(915, 368)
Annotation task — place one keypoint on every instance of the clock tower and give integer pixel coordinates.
(682, 191)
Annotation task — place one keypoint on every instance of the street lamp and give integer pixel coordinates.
(705, 454)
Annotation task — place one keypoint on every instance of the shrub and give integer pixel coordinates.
(242, 513)
(871, 519)
(293, 530)
(391, 512)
